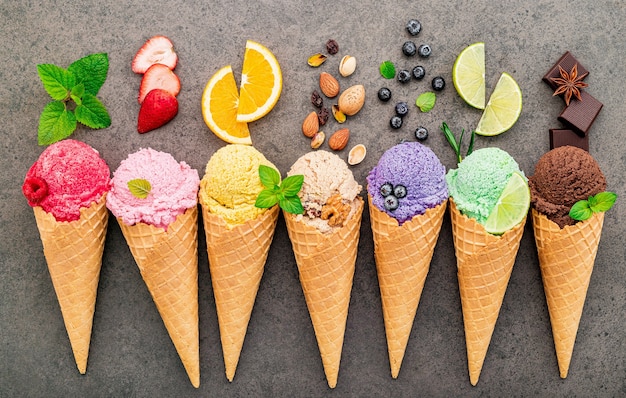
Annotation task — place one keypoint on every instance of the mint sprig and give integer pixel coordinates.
(456, 145)
(73, 92)
(584, 209)
(285, 193)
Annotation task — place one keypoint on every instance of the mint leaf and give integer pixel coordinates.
(292, 185)
(266, 199)
(91, 71)
(388, 70)
(603, 202)
(426, 101)
(580, 211)
(55, 123)
(291, 205)
(56, 81)
(270, 178)
(77, 93)
(92, 113)
(139, 187)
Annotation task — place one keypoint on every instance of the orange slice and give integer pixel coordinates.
(261, 83)
(220, 101)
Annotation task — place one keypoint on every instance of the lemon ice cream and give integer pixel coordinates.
(231, 183)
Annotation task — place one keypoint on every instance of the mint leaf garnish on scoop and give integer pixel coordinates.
(79, 83)
(139, 187)
(284, 194)
(584, 209)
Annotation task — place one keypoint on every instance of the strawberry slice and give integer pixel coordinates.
(159, 76)
(157, 50)
(158, 108)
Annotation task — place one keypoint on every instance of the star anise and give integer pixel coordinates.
(569, 83)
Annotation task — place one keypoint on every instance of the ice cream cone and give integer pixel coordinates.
(326, 264)
(484, 265)
(73, 251)
(566, 258)
(403, 255)
(168, 262)
(236, 261)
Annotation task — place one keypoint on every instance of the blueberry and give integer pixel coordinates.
(391, 203)
(421, 133)
(395, 122)
(402, 109)
(409, 49)
(438, 83)
(424, 50)
(404, 76)
(413, 27)
(399, 191)
(386, 189)
(419, 72)
(384, 94)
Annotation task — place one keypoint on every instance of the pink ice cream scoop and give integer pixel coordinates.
(173, 188)
(68, 176)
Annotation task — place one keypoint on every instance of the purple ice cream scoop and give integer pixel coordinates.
(408, 180)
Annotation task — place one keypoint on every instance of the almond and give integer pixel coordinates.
(311, 125)
(329, 85)
(339, 139)
(352, 99)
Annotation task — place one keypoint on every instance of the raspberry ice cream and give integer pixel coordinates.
(408, 180)
(174, 189)
(68, 176)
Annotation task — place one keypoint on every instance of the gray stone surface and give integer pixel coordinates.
(131, 354)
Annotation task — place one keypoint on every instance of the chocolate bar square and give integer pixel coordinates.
(563, 137)
(580, 115)
(567, 62)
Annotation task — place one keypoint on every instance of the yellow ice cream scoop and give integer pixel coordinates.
(231, 183)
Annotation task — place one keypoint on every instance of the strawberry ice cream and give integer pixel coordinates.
(68, 176)
(173, 189)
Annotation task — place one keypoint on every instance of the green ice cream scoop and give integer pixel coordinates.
(479, 180)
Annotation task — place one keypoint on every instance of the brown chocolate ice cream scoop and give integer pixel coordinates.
(562, 177)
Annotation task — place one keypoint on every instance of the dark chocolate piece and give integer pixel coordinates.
(567, 62)
(563, 137)
(580, 115)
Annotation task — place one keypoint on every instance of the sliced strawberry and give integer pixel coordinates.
(158, 108)
(157, 50)
(158, 76)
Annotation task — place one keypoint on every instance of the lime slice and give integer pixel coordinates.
(468, 75)
(512, 206)
(503, 108)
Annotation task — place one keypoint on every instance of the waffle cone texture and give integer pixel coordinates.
(566, 258)
(403, 254)
(73, 252)
(237, 259)
(168, 262)
(326, 264)
(484, 266)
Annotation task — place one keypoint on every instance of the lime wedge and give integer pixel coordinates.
(503, 108)
(512, 206)
(468, 75)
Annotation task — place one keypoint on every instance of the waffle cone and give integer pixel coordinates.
(73, 251)
(403, 254)
(236, 261)
(484, 265)
(566, 258)
(168, 262)
(326, 265)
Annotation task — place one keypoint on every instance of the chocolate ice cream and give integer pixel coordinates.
(562, 177)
